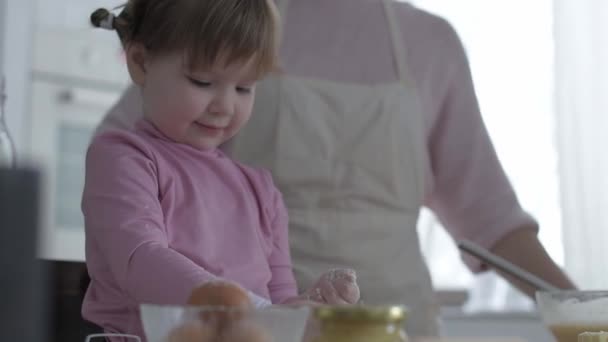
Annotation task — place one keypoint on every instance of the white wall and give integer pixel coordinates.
(2, 29)
(581, 105)
(15, 45)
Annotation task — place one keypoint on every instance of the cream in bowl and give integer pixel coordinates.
(570, 313)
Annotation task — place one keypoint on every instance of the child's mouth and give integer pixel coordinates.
(209, 128)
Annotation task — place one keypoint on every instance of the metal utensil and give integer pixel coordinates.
(505, 266)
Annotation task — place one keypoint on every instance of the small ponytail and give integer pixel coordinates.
(103, 18)
(121, 23)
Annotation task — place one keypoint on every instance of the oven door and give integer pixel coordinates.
(63, 121)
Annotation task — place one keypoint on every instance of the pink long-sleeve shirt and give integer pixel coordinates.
(162, 218)
(349, 41)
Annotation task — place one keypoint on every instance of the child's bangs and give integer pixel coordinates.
(232, 32)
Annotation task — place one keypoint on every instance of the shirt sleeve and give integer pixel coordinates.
(282, 284)
(125, 233)
(471, 196)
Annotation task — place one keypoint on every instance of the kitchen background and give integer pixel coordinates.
(539, 72)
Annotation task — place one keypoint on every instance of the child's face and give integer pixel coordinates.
(200, 108)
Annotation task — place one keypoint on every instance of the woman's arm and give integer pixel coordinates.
(471, 193)
(523, 248)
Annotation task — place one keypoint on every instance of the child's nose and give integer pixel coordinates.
(223, 103)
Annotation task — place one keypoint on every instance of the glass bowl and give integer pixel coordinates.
(162, 323)
(570, 313)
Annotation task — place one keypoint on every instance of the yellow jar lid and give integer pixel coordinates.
(593, 337)
(360, 313)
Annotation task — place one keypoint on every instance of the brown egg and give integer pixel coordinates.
(224, 303)
(245, 331)
(193, 332)
(220, 294)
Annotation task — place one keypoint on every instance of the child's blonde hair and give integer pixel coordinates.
(207, 30)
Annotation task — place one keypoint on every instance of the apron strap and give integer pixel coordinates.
(282, 7)
(400, 55)
(399, 51)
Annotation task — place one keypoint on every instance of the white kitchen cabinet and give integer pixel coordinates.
(76, 74)
(69, 14)
(93, 57)
(63, 120)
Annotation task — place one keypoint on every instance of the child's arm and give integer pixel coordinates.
(283, 284)
(127, 246)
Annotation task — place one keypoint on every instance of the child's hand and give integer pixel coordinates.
(335, 287)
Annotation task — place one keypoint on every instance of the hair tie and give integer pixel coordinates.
(107, 22)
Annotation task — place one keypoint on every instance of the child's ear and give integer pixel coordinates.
(137, 56)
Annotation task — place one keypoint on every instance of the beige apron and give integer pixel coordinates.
(349, 160)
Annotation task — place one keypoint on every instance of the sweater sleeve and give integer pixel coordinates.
(127, 243)
(283, 284)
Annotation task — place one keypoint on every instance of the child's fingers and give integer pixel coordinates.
(347, 274)
(330, 295)
(314, 295)
(348, 291)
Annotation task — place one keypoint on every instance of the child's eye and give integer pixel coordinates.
(198, 83)
(243, 90)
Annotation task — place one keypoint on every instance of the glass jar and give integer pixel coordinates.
(7, 148)
(361, 324)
